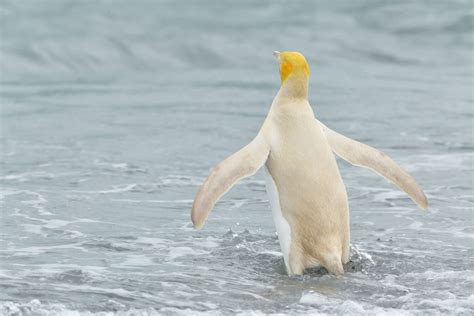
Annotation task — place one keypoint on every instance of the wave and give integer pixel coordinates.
(162, 37)
(112, 308)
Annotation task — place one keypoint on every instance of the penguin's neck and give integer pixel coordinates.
(294, 87)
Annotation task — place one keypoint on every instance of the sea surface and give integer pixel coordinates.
(114, 112)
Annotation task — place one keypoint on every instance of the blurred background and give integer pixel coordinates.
(114, 112)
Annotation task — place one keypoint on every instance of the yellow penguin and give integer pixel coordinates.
(305, 189)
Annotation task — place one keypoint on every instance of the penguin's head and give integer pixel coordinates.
(292, 64)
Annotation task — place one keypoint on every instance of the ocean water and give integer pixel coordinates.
(114, 112)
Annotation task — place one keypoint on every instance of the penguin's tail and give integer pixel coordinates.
(333, 263)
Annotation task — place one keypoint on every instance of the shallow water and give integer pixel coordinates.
(113, 113)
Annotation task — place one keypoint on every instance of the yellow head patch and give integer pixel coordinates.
(292, 63)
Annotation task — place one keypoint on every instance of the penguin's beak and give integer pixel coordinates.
(276, 54)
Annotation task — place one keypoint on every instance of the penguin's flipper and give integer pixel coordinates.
(241, 164)
(362, 155)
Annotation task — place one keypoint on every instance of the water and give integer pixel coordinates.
(113, 113)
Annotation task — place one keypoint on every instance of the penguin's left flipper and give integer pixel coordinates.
(362, 155)
(241, 164)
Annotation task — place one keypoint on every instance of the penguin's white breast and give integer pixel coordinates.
(282, 226)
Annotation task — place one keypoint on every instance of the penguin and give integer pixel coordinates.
(306, 192)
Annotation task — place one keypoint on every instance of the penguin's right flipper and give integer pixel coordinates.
(362, 155)
(241, 164)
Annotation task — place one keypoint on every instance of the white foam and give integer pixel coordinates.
(55, 268)
(187, 227)
(447, 304)
(50, 224)
(26, 176)
(410, 305)
(38, 203)
(179, 180)
(136, 260)
(415, 225)
(56, 223)
(356, 251)
(187, 201)
(312, 297)
(207, 243)
(273, 253)
(38, 250)
(115, 189)
(23, 177)
(33, 229)
(177, 252)
(117, 165)
(154, 241)
(467, 275)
